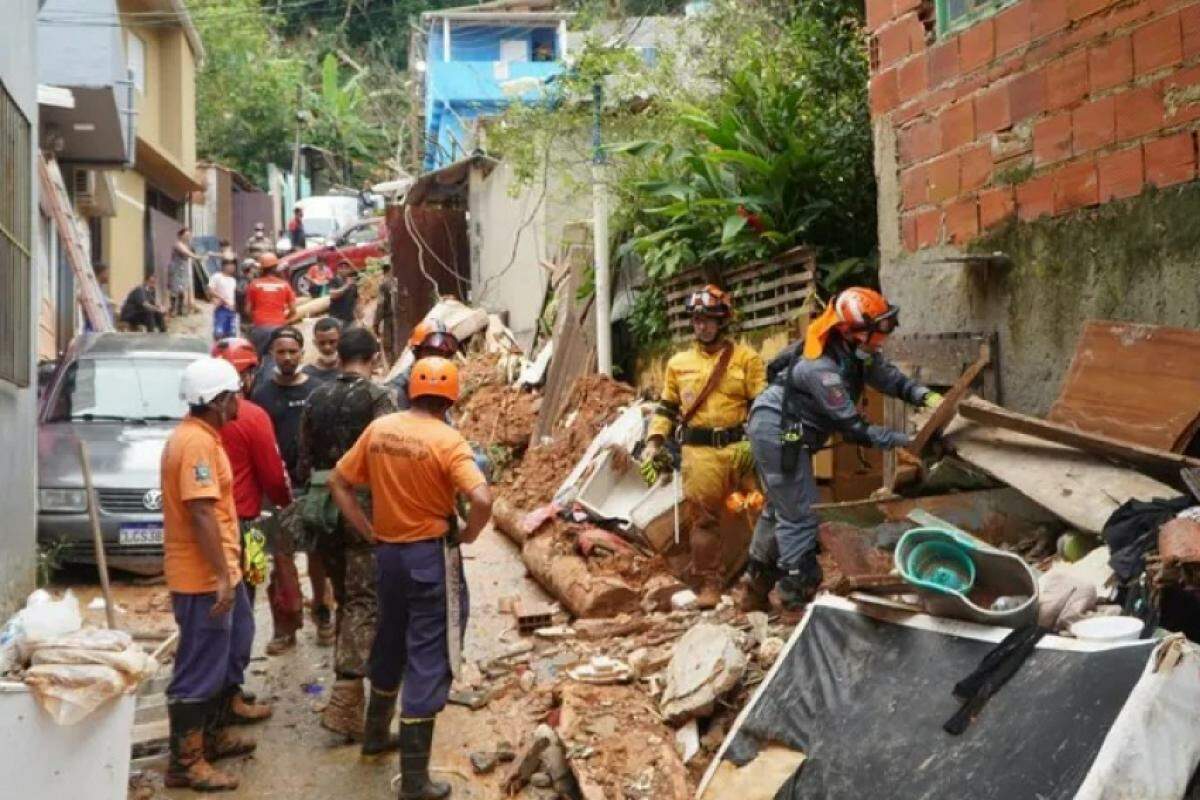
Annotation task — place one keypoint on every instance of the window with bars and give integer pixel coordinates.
(954, 15)
(16, 241)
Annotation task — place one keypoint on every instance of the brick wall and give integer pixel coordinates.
(1046, 107)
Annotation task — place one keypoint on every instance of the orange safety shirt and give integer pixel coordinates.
(413, 465)
(195, 467)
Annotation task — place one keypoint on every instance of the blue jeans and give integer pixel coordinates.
(213, 651)
(410, 649)
(225, 323)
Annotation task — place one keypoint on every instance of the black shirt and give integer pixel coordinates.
(135, 303)
(321, 374)
(285, 405)
(343, 307)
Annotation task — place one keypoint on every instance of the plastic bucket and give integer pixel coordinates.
(1108, 629)
(941, 564)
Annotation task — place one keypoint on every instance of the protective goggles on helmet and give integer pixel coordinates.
(441, 341)
(885, 323)
(709, 302)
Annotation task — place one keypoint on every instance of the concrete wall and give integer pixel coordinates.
(124, 235)
(1063, 134)
(512, 229)
(18, 429)
(91, 54)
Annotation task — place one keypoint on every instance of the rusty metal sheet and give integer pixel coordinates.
(1134, 382)
(431, 257)
(1179, 542)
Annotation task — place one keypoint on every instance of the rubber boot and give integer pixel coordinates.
(326, 630)
(344, 713)
(416, 742)
(378, 738)
(220, 740)
(755, 588)
(187, 767)
(706, 565)
(244, 711)
(800, 584)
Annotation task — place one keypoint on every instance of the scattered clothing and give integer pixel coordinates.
(1132, 530)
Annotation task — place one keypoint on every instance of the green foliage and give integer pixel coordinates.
(780, 156)
(245, 92)
(336, 115)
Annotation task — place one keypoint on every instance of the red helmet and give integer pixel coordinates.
(711, 301)
(434, 377)
(434, 335)
(236, 351)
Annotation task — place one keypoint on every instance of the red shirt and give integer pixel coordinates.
(257, 466)
(268, 298)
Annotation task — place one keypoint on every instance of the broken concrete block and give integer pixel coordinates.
(602, 670)
(472, 700)
(483, 763)
(687, 740)
(658, 591)
(621, 625)
(531, 760)
(684, 601)
(540, 780)
(706, 663)
(769, 651)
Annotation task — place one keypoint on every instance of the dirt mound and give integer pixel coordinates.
(499, 415)
(594, 402)
(479, 370)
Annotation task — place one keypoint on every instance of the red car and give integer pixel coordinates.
(365, 239)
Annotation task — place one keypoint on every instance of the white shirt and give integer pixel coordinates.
(224, 288)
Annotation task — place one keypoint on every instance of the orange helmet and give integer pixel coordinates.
(437, 377)
(711, 301)
(236, 351)
(865, 311)
(268, 261)
(434, 334)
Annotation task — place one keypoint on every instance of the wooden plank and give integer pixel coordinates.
(1080, 488)
(942, 415)
(1161, 463)
(1132, 382)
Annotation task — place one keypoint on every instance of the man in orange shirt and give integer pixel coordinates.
(414, 464)
(202, 563)
(270, 302)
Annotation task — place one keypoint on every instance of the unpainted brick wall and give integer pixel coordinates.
(1046, 107)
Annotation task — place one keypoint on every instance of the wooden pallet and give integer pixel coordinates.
(765, 293)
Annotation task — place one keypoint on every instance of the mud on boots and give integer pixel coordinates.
(344, 712)
(378, 738)
(815, 388)
(187, 767)
(220, 740)
(706, 397)
(420, 588)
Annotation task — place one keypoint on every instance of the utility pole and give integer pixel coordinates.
(600, 240)
(296, 150)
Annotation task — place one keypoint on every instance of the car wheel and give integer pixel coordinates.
(300, 282)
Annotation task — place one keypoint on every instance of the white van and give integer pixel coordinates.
(325, 215)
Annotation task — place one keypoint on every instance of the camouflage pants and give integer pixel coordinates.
(350, 563)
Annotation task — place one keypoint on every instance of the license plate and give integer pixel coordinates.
(151, 533)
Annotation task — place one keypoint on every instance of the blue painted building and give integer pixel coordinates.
(478, 60)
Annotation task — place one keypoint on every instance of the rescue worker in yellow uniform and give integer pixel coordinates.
(706, 417)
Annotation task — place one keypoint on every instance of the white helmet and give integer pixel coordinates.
(205, 378)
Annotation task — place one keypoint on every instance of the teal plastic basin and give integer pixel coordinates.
(941, 565)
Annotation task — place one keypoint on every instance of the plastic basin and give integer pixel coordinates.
(942, 564)
(1108, 629)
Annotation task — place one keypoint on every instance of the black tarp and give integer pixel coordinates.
(865, 700)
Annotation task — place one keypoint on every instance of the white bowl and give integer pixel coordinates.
(1108, 629)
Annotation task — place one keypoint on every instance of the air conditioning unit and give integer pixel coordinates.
(83, 187)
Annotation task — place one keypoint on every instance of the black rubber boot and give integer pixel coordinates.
(416, 742)
(756, 586)
(799, 584)
(378, 738)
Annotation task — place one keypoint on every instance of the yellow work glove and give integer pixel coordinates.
(743, 457)
(932, 400)
(655, 461)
